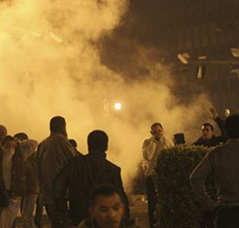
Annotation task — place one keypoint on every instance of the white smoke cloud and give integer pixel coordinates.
(50, 65)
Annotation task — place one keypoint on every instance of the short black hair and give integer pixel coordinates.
(232, 126)
(156, 124)
(21, 136)
(208, 125)
(104, 190)
(57, 123)
(97, 141)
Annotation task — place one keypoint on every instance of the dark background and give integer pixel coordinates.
(167, 28)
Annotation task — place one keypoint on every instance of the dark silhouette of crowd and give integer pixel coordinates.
(55, 175)
(79, 190)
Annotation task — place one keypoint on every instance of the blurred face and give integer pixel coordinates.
(207, 132)
(108, 211)
(157, 132)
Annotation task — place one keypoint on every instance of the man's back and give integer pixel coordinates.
(225, 160)
(222, 162)
(53, 154)
(83, 174)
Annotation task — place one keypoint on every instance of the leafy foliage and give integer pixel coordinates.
(175, 204)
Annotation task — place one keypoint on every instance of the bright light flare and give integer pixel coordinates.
(117, 106)
(227, 112)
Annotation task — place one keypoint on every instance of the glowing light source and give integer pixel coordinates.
(117, 106)
(227, 112)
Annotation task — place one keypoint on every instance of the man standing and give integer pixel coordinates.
(52, 156)
(83, 174)
(222, 162)
(151, 150)
(28, 150)
(12, 180)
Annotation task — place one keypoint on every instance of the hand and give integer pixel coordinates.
(214, 113)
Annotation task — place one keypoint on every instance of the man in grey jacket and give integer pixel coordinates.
(222, 162)
(52, 156)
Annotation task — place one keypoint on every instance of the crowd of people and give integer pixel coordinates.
(87, 190)
(53, 175)
(221, 162)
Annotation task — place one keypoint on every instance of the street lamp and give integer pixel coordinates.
(117, 106)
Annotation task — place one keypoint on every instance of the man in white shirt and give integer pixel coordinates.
(151, 149)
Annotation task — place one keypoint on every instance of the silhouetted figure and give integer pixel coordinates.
(83, 174)
(12, 180)
(52, 156)
(28, 148)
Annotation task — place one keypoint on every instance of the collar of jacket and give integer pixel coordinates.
(97, 153)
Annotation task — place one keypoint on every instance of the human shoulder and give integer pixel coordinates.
(216, 151)
(148, 140)
(114, 166)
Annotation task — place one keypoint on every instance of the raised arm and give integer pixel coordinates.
(220, 124)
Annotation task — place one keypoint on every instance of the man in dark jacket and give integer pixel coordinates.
(208, 137)
(83, 174)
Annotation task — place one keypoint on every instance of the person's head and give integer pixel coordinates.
(232, 126)
(106, 206)
(157, 130)
(97, 141)
(8, 144)
(178, 139)
(207, 130)
(73, 143)
(20, 136)
(58, 125)
(3, 132)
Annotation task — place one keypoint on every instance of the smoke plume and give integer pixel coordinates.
(50, 65)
